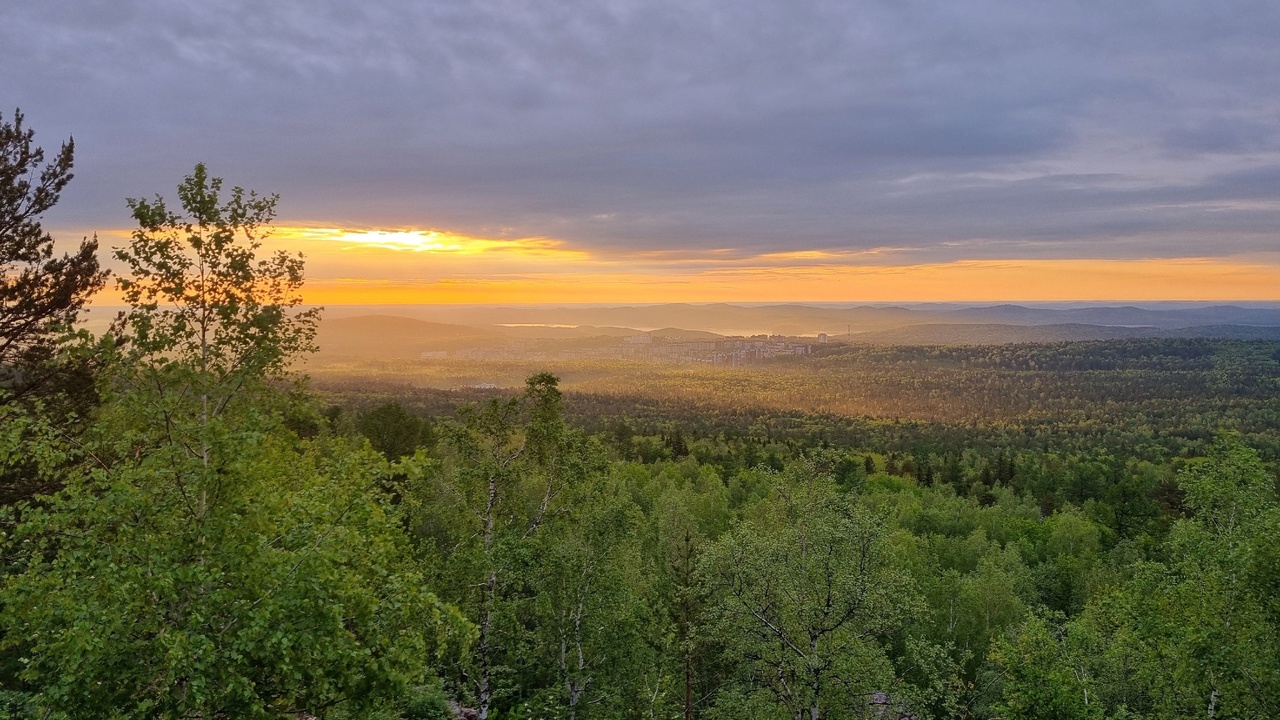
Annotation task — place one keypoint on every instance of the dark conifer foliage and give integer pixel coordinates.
(39, 293)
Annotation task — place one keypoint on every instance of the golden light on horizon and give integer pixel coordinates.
(409, 266)
(439, 242)
(962, 281)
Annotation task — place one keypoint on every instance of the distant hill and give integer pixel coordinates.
(800, 319)
(388, 334)
(1120, 315)
(391, 337)
(997, 334)
(1229, 332)
(784, 319)
(562, 333)
(672, 333)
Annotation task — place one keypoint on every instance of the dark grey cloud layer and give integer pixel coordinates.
(972, 128)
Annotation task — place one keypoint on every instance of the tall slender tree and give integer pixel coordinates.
(507, 473)
(200, 296)
(207, 317)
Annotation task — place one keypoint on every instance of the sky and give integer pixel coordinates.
(687, 150)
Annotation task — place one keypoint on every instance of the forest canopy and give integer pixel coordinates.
(206, 536)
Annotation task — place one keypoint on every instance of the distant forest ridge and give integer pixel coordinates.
(807, 319)
(408, 331)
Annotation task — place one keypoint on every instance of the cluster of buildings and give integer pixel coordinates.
(718, 351)
(729, 351)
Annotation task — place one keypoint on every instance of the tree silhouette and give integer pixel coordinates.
(40, 294)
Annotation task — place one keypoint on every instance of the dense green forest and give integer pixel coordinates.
(190, 531)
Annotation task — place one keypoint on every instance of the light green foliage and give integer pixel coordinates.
(592, 611)
(970, 563)
(686, 507)
(201, 560)
(930, 683)
(1052, 665)
(971, 609)
(198, 293)
(209, 324)
(509, 471)
(1205, 626)
(1069, 557)
(1194, 635)
(1229, 492)
(803, 593)
(271, 580)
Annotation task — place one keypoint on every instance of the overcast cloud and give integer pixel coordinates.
(955, 129)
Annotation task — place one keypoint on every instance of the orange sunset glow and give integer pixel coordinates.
(410, 266)
(968, 281)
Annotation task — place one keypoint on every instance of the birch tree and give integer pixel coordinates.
(201, 560)
(804, 593)
(594, 612)
(202, 304)
(503, 477)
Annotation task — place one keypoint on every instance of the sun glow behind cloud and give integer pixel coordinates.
(425, 241)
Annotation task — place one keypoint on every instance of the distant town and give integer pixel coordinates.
(656, 348)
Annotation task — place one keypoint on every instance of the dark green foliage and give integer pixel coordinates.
(40, 298)
(849, 473)
(426, 703)
(392, 430)
(40, 295)
(676, 444)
